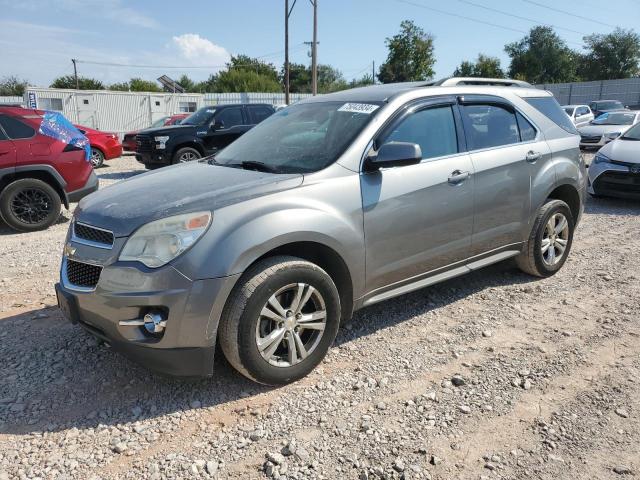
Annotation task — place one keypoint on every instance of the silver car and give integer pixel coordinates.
(615, 169)
(332, 204)
(607, 127)
(580, 115)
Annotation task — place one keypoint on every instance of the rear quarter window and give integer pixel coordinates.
(15, 129)
(551, 109)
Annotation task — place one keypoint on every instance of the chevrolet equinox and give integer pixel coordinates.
(330, 205)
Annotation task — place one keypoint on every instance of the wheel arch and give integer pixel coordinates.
(43, 174)
(190, 144)
(569, 195)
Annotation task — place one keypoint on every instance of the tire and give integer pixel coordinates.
(242, 324)
(97, 158)
(153, 166)
(186, 154)
(533, 260)
(29, 204)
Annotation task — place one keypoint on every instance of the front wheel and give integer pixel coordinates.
(97, 158)
(550, 241)
(29, 204)
(186, 154)
(280, 320)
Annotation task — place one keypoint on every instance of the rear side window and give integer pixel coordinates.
(259, 113)
(15, 129)
(527, 131)
(490, 126)
(434, 129)
(2, 135)
(231, 117)
(550, 108)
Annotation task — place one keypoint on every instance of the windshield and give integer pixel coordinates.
(569, 110)
(633, 133)
(609, 105)
(302, 138)
(200, 117)
(159, 123)
(615, 119)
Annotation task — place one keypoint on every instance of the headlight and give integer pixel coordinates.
(158, 242)
(161, 141)
(600, 158)
(612, 135)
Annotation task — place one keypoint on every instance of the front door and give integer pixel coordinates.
(419, 218)
(227, 125)
(505, 150)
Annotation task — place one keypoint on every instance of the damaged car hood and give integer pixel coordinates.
(127, 205)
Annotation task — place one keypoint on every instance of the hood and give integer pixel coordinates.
(602, 129)
(622, 150)
(127, 205)
(172, 129)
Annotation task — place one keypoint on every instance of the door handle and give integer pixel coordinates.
(533, 156)
(457, 177)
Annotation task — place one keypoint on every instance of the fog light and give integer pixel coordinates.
(154, 322)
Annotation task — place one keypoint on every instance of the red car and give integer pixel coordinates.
(104, 146)
(129, 141)
(44, 163)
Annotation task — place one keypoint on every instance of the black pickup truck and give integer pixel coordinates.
(203, 133)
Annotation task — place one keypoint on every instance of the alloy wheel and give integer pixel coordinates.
(31, 205)
(555, 239)
(187, 157)
(291, 324)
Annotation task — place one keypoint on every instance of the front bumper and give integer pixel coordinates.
(613, 180)
(91, 186)
(154, 158)
(126, 290)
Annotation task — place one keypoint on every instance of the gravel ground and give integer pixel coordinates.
(492, 375)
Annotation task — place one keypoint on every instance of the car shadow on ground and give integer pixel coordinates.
(611, 206)
(118, 175)
(55, 376)
(6, 230)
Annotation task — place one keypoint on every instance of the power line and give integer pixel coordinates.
(502, 12)
(542, 5)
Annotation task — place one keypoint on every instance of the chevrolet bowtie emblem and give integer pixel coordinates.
(69, 250)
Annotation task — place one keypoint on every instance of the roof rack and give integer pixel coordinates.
(496, 82)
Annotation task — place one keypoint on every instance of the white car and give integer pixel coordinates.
(607, 127)
(615, 170)
(580, 115)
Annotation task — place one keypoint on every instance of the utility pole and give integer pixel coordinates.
(75, 73)
(287, 14)
(314, 50)
(373, 72)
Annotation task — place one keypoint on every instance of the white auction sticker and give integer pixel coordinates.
(359, 108)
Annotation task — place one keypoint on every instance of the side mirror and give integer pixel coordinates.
(394, 154)
(217, 125)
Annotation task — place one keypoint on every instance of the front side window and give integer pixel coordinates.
(527, 131)
(583, 111)
(201, 117)
(434, 129)
(489, 126)
(15, 129)
(302, 138)
(230, 117)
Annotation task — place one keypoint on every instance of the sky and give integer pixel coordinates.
(38, 38)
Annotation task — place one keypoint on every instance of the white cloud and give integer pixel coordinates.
(199, 50)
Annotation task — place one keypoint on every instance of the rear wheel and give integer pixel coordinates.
(550, 241)
(280, 320)
(29, 204)
(97, 158)
(186, 154)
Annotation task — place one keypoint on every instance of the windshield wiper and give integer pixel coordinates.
(253, 165)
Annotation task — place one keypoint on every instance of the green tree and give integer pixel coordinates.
(330, 79)
(610, 56)
(120, 86)
(13, 86)
(299, 78)
(239, 80)
(410, 55)
(140, 85)
(84, 83)
(485, 66)
(189, 85)
(542, 57)
(207, 86)
(364, 81)
(244, 62)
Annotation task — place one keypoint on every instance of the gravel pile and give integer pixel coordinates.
(492, 375)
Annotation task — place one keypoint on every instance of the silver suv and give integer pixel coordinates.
(330, 205)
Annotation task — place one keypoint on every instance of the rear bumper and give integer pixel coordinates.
(113, 149)
(91, 186)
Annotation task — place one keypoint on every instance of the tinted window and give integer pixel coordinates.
(550, 108)
(2, 135)
(434, 129)
(230, 117)
(259, 113)
(201, 117)
(527, 131)
(15, 128)
(490, 126)
(569, 110)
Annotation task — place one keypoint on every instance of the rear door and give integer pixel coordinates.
(506, 150)
(258, 113)
(7, 153)
(232, 122)
(583, 116)
(419, 218)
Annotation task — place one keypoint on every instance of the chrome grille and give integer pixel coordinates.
(82, 274)
(91, 234)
